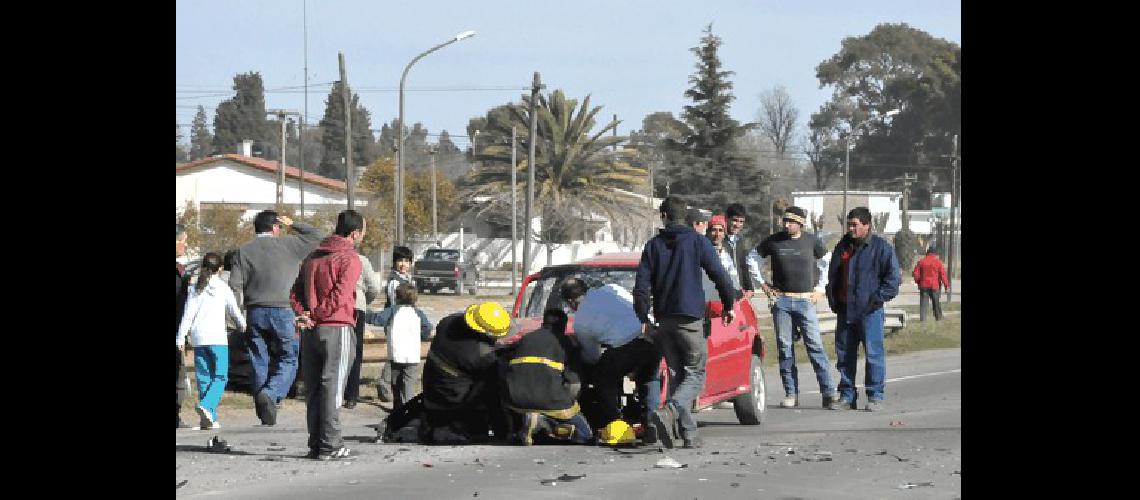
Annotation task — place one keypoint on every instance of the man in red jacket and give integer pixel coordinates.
(929, 275)
(326, 293)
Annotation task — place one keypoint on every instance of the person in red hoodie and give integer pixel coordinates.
(930, 276)
(325, 291)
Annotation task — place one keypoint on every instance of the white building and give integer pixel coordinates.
(830, 205)
(251, 183)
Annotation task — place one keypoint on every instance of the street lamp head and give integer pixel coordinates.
(465, 34)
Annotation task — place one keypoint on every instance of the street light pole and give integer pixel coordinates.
(847, 163)
(400, 134)
(434, 225)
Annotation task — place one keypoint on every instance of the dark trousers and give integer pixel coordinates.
(639, 356)
(404, 376)
(929, 295)
(328, 353)
(180, 385)
(352, 387)
(682, 341)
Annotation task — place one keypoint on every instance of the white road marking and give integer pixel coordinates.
(908, 377)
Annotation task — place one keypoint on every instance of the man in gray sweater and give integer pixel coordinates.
(263, 273)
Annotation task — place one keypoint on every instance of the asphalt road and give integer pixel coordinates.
(911, 449)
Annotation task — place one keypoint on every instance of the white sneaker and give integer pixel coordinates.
(207, 421)
(790, 402)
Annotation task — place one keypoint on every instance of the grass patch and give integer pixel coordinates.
(916, 336)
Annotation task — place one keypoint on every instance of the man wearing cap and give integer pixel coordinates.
(460, 378)
(930, 276)
(540, 385)
(799, 278)
(717, 231)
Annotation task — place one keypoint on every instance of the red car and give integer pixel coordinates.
(734, 352)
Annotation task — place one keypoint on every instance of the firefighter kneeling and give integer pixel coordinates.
(541, 383)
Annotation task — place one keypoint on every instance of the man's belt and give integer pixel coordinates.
(535, 359)
(796, 295)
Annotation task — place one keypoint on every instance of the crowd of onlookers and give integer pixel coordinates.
(306, 294)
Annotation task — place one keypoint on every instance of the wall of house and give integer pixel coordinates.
(231, 182)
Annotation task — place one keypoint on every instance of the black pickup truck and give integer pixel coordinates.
(440, 268)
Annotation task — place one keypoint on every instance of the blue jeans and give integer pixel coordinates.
(272, 350)
(682, 341)
(787, 314)
(211, 369)
(869, 331)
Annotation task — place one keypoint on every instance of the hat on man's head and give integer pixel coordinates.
(488, 318)
(695, 215)
(931, 250)
(717, 219)
(795, 214)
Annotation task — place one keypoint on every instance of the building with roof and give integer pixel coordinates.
(251, 183)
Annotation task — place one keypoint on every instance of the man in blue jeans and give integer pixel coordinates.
(670, 272)
(263, 273)
(863, 275)
(799, 277)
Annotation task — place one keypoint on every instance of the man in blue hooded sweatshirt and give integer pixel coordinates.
(670, 270)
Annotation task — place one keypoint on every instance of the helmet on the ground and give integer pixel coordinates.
(488, 318)
(616, 432)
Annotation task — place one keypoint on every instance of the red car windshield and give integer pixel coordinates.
(543, 292)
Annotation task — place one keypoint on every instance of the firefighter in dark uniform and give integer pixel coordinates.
(460, 377)
(541, 384)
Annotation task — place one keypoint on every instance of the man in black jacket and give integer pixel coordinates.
(540, 385)
(735, 240)
(670, 271)
(460, 378)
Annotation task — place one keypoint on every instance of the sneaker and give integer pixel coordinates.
(664, 421)
(831, 402)
(266, 409)
(693, 442)
(313, 454)
(206, 421)
(649, 436)
(790, 402)
(350, 404)
(874, 405)
(337, 454)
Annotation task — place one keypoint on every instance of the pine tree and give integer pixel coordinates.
(243, 116)
(711, 172)
(364, 147)
(201, 141)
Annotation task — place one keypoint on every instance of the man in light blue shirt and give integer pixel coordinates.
(610, 335)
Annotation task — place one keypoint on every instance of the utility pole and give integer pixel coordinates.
(907, 179)
(514, 215)
(954, 195)
(281, 114)
(434, 226)
(536, 85)
(301, 131)
(348, 180)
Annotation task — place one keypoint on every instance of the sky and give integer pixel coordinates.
(631, 57)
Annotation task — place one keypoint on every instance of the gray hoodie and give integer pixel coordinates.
(368, 287)
(266, 267)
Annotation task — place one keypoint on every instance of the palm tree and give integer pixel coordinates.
(579, 174)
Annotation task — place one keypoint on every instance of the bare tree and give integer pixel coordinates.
(777, 117)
